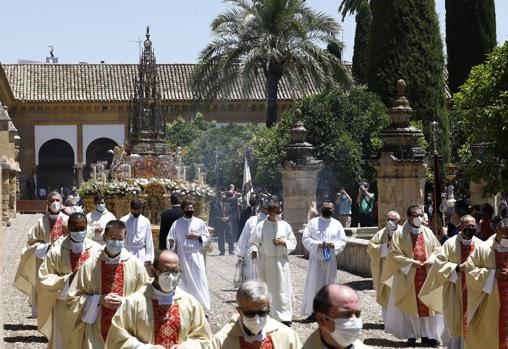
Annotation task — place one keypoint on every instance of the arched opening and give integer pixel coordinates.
(98, 151)
(56, 165)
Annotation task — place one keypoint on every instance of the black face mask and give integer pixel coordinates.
(188, 213)
(136, 215)
(326, 212)
(469, 232)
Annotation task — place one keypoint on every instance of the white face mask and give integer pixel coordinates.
(391, 225)
(78, 236)
(254, 324)
(55, 206)
(504, 242)
(100, 207)
(278, 217)
(417, 221)
(346, 331)
(168, 281)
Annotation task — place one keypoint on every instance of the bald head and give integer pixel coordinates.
(335, 298)
(166, 260)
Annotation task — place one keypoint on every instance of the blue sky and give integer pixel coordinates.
(95, 30)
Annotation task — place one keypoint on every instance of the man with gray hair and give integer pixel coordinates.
(252, 327)
(378, 250)
(446, 279)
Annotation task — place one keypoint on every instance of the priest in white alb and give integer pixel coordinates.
(249, 269)
(160, 315)
(252, 327)
(378, 251)
(445, 289)
(189, 237)
(487, 292)
(99, 288)
(98, 218)
(139, 240)
(48, 229)
(324, 238)
(412, 252)
(270, 244)
(55, 274)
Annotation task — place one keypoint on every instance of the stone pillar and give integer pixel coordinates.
(79, 171)
(5, 195)
(400, 165)
(299, 180)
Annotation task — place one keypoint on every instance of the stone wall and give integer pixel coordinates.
(354, 258)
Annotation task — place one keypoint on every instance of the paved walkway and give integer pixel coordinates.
(21, 332)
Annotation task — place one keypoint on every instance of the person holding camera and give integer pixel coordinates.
(343, 204)
(365, 201)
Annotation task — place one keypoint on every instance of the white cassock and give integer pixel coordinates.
(96, 218)
(250, 271)
(273, 264)
(191, 253)
(139, 240)
(321, 272)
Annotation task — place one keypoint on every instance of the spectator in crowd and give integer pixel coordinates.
(343, 204)
(168, 217)
(365, 201)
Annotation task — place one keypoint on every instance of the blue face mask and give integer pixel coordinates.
(100, 207)
(78, 236)
(115, 246)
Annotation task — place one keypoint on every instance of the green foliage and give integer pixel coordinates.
(470, 35)
(271, 38)
(182, 132)
(483, 106)
(350, 6)
(362, 36)
(405, 43)
(344, 128)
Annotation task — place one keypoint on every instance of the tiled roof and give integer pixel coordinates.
(112, 83)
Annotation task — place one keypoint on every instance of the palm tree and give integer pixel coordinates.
(350, 6)
(272, 38)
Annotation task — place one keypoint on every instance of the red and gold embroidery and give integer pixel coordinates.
(166, 323)
(56, 229)
(77, 259)
(267, 343)
(465, 251)
(420, 254)
(502, 262)
(112, 282)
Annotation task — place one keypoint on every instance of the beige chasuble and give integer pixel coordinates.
(399, 260)
(315, 342)
(276, 336)
(483, 297)
(44, 233)
(61, 261)
(89, 322)
(378, 251)
(146, 318)
(443, 290)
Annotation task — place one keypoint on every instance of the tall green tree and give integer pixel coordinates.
(483, 105)
(470, 35)
(275, 39)
(362, 37)
(406, 44)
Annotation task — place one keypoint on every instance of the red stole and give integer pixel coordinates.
(465, 251)
(420, 254)
(77, 259)
(502, 262)
(112, 276)
(265, 344)
(167, 325)
(56, 229)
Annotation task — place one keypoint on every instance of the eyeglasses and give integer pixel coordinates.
(253, 313)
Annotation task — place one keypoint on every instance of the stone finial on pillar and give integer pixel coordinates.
(400, 164)
(299, 172)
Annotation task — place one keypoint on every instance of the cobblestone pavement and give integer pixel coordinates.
(20, 331)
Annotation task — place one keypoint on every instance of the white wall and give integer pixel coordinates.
(92, 132)
(67, 133)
